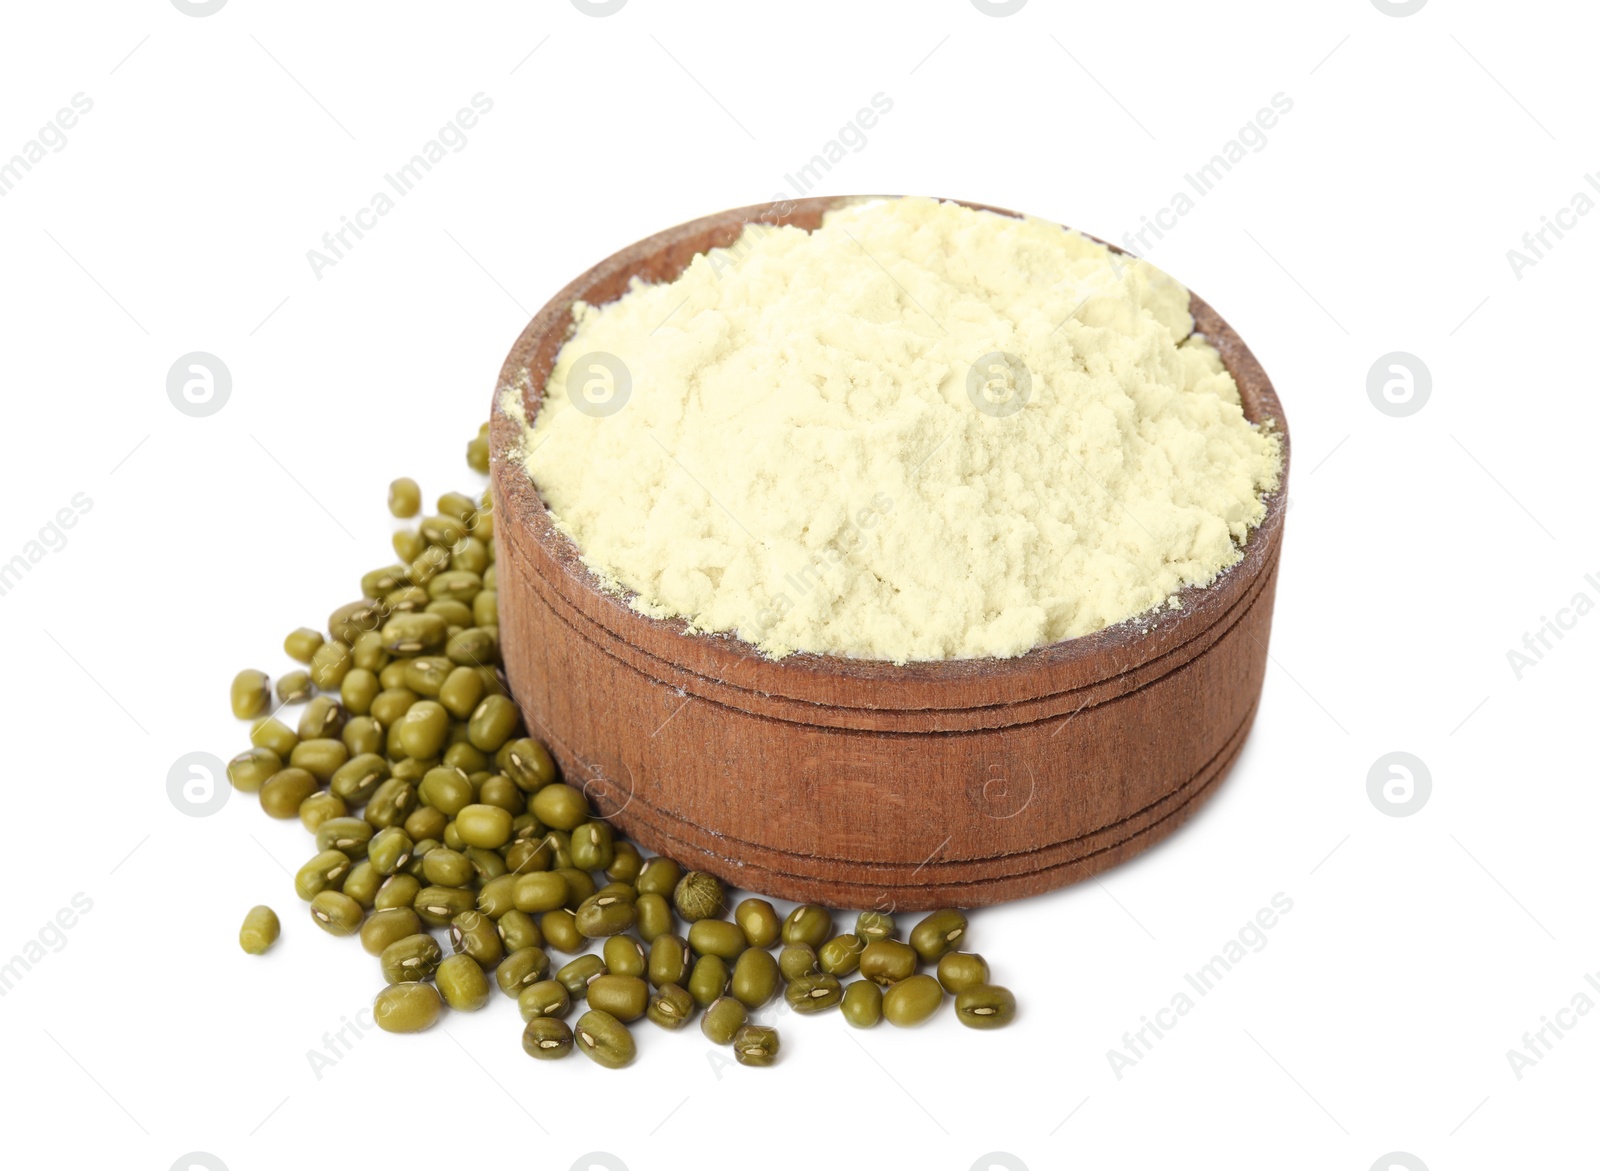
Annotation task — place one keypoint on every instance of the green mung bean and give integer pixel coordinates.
(517, 930)
(653, 917)
(544, 998)
(259, 930)
(708, 979)
(251, 695)
(888, 961)
(248, 771)
(406, 1008)
(671, 1007)
(813, 992)
(796, 960)
(624, 956)
(756, 1045)
(321, 807)
(473, 934)
(723, 1018)
(362, 884)
(282, 793)
(717, 937)
(756, 978)
(520, 969)
(412, 957)
(561, 931)
(875, 925)
(405, 497)
(336, 913)
(808, 924)
(398, 890)
(862, 1005)
(325, 871)
(576, 974)
(546, 1038)
(388, 926)
(759, 921)
(960, 970)
(604, 1039)
(841, 955)
(273, 734)
(462, 983)
(985, 1006)
(301, 644)
(295, 687)
(624, 997)
(937, 934)
(912, 1000)
(670, 960)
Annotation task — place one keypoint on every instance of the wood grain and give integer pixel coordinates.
(855, 783)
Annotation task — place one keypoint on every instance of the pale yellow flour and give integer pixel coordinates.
(808, 459)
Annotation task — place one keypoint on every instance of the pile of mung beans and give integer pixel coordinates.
(433, 810)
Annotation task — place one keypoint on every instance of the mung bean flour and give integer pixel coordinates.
(919, 432)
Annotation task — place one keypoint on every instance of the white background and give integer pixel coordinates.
(1419, 551)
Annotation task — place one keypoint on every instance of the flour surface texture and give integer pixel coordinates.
(919, 432)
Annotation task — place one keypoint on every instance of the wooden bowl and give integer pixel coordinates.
(856, 783)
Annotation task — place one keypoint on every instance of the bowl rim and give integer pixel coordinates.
(722, 660)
